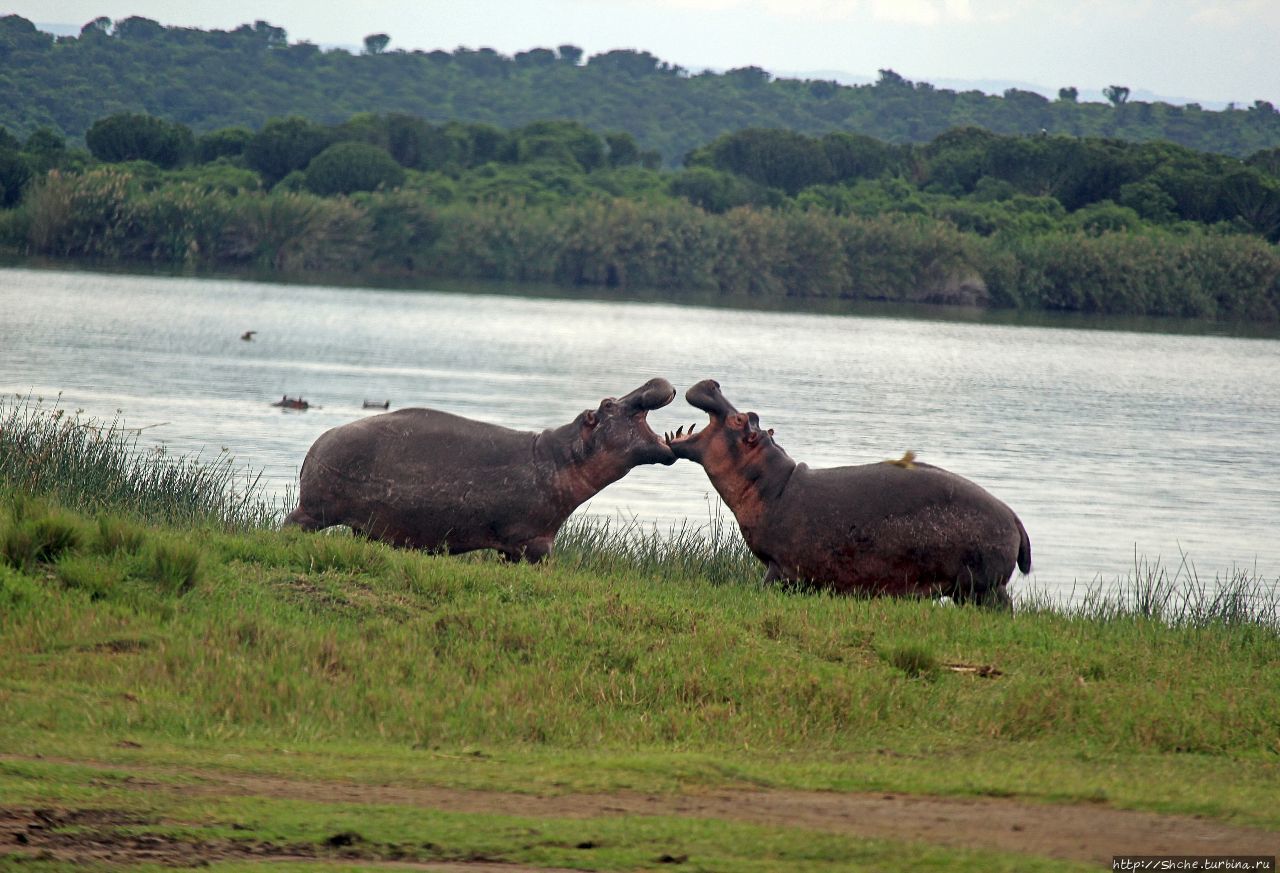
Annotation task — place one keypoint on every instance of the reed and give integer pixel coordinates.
(92, 465)
(713, 551)
(1177, 596)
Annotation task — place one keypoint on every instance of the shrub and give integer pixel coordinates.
(347, 167)
(129, 136)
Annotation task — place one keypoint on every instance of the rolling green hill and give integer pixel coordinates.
(214, 79)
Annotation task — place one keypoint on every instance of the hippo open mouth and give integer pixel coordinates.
(680, 442)
(654, 394)
(705, 396)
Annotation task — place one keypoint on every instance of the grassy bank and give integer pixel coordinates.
(149, 660)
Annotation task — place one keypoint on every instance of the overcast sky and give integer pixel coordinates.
(1212, 52)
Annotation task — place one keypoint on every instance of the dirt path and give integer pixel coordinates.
(1071, 832)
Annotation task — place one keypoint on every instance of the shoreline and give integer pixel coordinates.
(798, 305)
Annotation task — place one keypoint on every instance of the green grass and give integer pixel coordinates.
(268, 636)
(632, 660)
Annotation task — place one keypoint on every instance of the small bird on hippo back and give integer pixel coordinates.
(902, 528)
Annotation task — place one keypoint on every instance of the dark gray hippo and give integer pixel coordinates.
(893, 528)
(437, 481)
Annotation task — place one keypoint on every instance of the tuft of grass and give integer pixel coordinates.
(17, 592)
(88, 574)
(914, 660)
(338, 551)
(41, 536)
(175, 565)
(117, 534)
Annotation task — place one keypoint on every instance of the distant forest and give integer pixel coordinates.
(208, 80)
(972, 217)
(238, 151)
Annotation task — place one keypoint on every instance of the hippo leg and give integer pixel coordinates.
(982, 593)
(533, 551)
(303, 519)
(774, 573)
(997, 598)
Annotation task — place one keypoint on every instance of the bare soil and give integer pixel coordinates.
(1091, 832)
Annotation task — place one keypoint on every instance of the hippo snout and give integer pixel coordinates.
(654, 394)
(706, 396)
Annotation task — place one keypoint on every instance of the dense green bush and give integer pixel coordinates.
(131, 136)
(227, 142)
(347, 167)
(284, 145)
(15, 173)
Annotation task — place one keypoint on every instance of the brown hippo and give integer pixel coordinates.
(898, 527)
(432, 480)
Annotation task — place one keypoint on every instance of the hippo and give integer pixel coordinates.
(425, 479)
(899, 528)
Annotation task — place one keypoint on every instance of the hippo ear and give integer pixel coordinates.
(590, 419)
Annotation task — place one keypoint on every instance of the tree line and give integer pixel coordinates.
(971, 217)
(208, 80)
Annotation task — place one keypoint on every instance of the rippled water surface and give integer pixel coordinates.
(1107, 443)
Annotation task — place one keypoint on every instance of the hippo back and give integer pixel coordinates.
(424, 478)
(891, 528)
(411, 443)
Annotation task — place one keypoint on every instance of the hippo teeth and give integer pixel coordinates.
(679, 434)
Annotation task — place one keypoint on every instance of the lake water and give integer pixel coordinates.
(1108, 444)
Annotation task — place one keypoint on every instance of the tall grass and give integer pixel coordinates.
(1180, 596)
(93, 465)
(714, 551)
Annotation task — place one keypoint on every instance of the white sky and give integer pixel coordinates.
(1225, 50)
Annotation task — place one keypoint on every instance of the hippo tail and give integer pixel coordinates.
(1024, 548)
